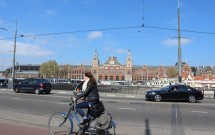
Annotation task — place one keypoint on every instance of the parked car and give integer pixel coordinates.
(175, 92)
(35, 85)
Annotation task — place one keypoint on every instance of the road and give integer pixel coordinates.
(134, 116)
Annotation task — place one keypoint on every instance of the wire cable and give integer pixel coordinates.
(79, 31)
(113, 28)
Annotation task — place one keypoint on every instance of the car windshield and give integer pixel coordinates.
(44, 81)
(166, 88)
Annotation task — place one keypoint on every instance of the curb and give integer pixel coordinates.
(103, 94)
(114, 95)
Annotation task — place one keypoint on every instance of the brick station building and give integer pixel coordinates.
(113, 70)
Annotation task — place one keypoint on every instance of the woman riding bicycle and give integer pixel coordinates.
(89, 93)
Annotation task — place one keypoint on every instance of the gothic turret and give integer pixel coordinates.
(129, 65)
(95, 59)
(95, 65)
(129, 61)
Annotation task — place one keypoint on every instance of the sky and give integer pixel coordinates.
(69, 31)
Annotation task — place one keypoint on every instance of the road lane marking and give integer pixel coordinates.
(130, 96)
(62, 92)
(63, 103)
(127, 109)
(109, 95)
(199, 112)
(16, 98)
(177, 127)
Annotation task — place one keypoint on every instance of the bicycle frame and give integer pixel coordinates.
(71, 114)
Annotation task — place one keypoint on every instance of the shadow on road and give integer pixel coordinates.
(147, 130)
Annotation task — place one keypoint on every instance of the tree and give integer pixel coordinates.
(6, 73)
(172, 72)
(49, 69)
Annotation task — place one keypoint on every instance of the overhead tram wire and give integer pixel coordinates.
(190, 31)
(79, 31)
(113, 28)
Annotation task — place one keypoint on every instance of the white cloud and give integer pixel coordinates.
(50, 12)
(121, 51)
(94, 35)
(1, 21)
(115, 50)
(26, 49)
(174, 41)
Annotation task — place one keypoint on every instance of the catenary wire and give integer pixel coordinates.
(113, 28)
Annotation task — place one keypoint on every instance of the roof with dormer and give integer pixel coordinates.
(205, 70)
(112, 61)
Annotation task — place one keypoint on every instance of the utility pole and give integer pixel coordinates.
(54, 70)
(179, 45)
(14, 56)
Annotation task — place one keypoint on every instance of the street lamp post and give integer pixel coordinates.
(14, 56)
(179, 45)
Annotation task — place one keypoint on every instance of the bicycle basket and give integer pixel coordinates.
(97, 109)
(103, 122)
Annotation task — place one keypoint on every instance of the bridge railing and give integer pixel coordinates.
(133, 90)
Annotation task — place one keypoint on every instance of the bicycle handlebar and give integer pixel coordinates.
(72, 104)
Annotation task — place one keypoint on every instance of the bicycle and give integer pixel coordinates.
(68, 123)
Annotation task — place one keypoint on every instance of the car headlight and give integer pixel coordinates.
(152, 93)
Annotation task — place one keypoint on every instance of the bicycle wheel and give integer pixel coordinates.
(57, 125)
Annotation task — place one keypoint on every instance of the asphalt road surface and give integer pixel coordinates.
(134, 116)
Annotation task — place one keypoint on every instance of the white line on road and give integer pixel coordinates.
(130, 96)
(62, 92)
(198, 112)
(16, 98)
(127, 109)
(109, 95)
(63, 103)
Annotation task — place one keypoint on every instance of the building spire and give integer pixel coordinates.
(95, 58)
(129, 57)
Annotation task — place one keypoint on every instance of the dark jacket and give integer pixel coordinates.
(91, 93)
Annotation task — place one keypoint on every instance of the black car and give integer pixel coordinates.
(35, 85)
(175, 92)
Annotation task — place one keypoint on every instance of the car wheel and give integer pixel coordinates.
(157, 98)
(37, 91)
(47, 92)
(17, 90)
(192, 99)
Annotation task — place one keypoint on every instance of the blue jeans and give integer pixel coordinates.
(83, 105)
